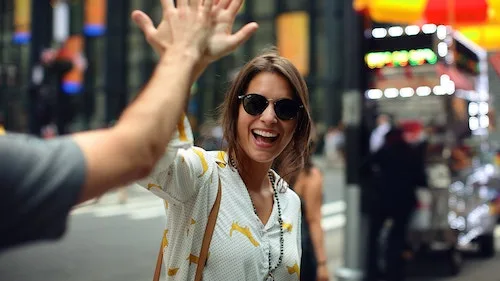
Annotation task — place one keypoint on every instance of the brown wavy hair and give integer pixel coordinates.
(293, 157)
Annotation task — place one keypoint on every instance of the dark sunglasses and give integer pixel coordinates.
(285, 109)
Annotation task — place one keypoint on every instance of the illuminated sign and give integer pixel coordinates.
(417, 41)
(293, 39)
(401, 58)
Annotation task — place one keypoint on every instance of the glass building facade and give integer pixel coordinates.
(120, 61)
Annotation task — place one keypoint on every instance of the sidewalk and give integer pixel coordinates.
(334, 182)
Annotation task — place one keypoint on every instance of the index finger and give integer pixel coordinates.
(167, 4)
(235, 5)
(207, 4)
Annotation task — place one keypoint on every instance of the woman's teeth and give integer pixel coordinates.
(265, 134)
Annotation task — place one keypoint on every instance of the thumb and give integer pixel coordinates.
(144, 22)
(243, 34)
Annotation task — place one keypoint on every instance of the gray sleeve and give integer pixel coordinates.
(40, 180)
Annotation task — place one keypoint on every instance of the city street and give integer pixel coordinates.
(394, 86)
(113, 242)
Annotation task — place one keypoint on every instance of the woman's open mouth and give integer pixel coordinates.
(265, 136)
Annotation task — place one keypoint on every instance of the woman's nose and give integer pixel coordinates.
(269, 116)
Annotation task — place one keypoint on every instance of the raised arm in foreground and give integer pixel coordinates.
(130, 150)
(41, 180)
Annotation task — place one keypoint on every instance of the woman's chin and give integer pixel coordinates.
(262, 157)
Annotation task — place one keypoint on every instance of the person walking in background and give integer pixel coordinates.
(309, 186)
(377, 136)
(47, 93)
(398, 176)
(334, 146)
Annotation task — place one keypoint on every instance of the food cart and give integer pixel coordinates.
(434, 77)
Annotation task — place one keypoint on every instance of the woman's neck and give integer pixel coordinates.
(255, 175)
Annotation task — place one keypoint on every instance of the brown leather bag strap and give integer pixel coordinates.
(209, 231)
(159, 262)
(207, 238)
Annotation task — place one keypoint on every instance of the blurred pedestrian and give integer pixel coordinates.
(394, 198)
(40, 180)
(309, 187)
(45, 91)
(334, 146)
(377, 136)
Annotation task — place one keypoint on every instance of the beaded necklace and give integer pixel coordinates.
(270, 275)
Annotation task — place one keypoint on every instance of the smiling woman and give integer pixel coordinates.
(269, 79)
(257, 235)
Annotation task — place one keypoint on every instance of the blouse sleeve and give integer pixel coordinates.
(182, 170)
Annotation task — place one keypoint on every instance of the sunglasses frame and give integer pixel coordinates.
(300, 106)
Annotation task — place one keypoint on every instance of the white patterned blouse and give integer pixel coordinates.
(187, 179)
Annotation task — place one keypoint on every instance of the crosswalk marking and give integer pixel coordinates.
(132, 204)
(148, 213)
(333, 222)
(333, 208)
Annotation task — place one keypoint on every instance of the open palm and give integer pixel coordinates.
(220, 43)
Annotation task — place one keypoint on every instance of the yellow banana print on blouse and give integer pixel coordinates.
(193, 221)
(152, 185)
(287, 226)
(203, 161)
(192, 259)
(221, 159)
(182, 129)
(164, 241)
(245, 231)
(172, 271)
(295, 269)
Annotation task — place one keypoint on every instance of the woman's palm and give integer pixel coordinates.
(221, 43)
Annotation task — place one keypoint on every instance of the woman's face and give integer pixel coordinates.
(263, 137)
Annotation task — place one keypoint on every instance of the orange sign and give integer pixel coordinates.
(293, 39)
(22, 21)
(95, 17)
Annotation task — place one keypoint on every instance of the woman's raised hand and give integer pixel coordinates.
(195, 22)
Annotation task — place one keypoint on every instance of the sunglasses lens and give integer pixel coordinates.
(254, 104)
(286, 109)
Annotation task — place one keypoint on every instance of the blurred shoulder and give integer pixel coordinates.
(316, 173)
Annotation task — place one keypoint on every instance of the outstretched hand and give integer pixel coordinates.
(220, 42)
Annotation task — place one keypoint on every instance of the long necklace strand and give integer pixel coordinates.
(280, 220)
